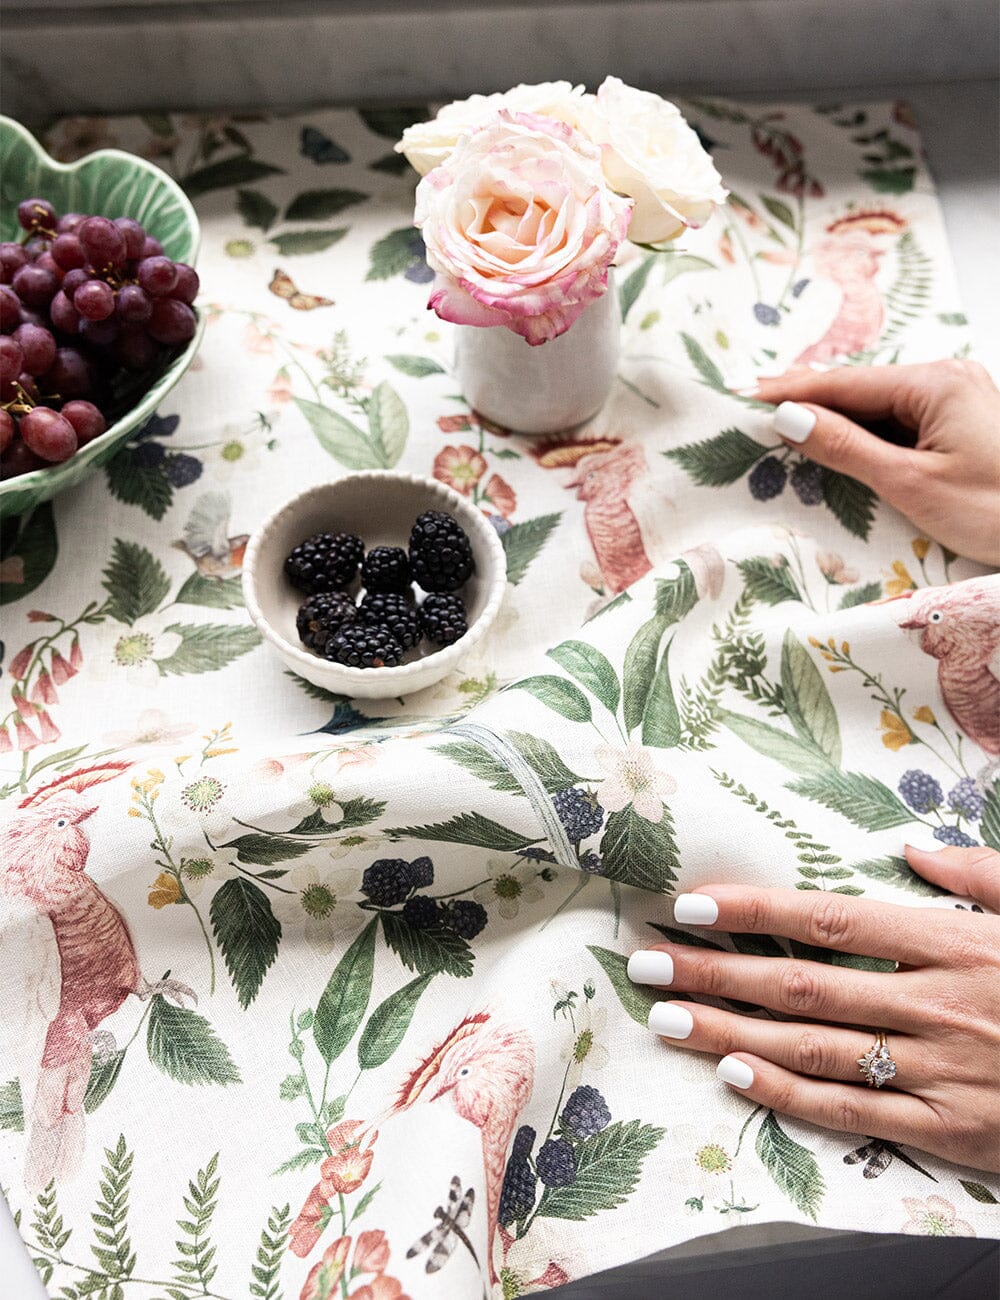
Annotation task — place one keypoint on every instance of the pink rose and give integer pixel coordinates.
(520, 227)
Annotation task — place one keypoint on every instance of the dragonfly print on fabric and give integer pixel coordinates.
(487, 1071)
(88, 970)
(441, 1240)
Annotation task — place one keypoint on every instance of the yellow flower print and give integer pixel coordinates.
(164, 890)
(901, 582)
(895, 732)
(925, 714)
(920, 546)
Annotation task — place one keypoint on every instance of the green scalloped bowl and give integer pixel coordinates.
(108, 183)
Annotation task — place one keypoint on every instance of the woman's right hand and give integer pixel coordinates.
(948, 484)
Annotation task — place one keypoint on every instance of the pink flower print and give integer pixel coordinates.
(633, 779)
(281, 387)
(323, 1279)
(454, 423)
(305, 1231)
(26, 738)
(75, 655)
(460, 468)
(48, 729)
(347, 1168)
(40, 616)
(18, 666)
(356, 756)
(382, 1287)
(62, 670)
(371, 1252)
(934, 1217)
(256, 341)
(500, 495)
(6, 744)
(43, 691)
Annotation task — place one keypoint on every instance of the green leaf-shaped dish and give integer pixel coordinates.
(108, 183)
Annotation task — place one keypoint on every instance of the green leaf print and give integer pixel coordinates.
(860, 595)
(185, 1047)
(718, 461)
(636, 1001)
(544, 758)
(807, 701)
(240, 170)
(30, 538)
(388, 1023)
(634, 283)
(392, 254)
(639, 852)
(591, 669)
(557, 694)
(852, 502)
(684, 937)
(318, 205)
(138, 484)
(247, 932)
(897, 871)
(793, 1167)
(340, 437)
(295, 243)
(416, 367)
(780, 211)
(978, 1192)
(608, 1166)
(389, 424)
(476, 760)
(342, 1006)
(466, 828)
(890, 180)
(114, 1247)
(11, 1107)
(262, 850)
(206, 647)
(863, 800)
(523, 541)
(270, 1254)
(676, 597)
(214, 593)
(989, 827)
(256, 209)
(196, 1267)
(391, 122)
(393, 164)
(639, 670)
(661, 722)
(103, 1077)
(428, 951)
(768, 582)
(795, 754)
(702, 362)
(135, 581)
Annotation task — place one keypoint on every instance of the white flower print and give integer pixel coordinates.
(511, 883)
(152, 728)
(139, 647)
(317, 891)
(633, 779)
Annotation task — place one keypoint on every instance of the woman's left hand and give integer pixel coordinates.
(940, 1010)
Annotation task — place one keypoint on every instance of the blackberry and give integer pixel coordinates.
(182, 470)
(517, 1195)
(421, 912)
(921, 791)
(440, 552)
(556, 1163)
(966, 799)
(359, 645)
(807, 482)
(322, 616)
(392, 611)
(524, 1140)
(766, 314)
(422, 873)
(324, 562)
(579, 812)
(536, 855)
(387, 882)
(798, 287)
(952, 835)
(586, 1112)
(767, 479)
(464, 917)
(442, 619)
(592, 864)
(149, 454)
(386, 568)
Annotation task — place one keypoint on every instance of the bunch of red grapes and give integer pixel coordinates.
(85, 302)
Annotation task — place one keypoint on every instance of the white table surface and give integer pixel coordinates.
(961, 130)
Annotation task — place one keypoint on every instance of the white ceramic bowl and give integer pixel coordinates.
(380, 507)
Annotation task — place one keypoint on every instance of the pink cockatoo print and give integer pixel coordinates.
(960, 628)
(78, 959)
(603, 480)
(486, 1071)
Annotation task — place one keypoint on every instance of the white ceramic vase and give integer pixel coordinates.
(549, 387)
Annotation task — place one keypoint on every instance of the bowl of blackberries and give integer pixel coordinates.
(97, 316)
(375, 585)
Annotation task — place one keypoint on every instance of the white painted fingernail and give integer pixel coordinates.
(731, 1070)
(695, 909)
(794, 422)
(931, 846)
(651, 968)
(670, 1020)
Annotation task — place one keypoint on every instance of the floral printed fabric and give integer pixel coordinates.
(305, 999)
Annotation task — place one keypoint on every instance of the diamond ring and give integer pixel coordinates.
(877, 1065)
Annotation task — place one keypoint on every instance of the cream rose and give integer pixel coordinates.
(649, 152)
(428, 144)
(520, 227)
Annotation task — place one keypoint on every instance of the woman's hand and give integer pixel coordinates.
(948, 483)
(940, 1009)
